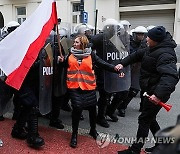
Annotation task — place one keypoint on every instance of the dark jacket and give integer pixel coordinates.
(158, 73)
(85, 98)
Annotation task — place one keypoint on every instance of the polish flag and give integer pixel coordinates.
(19, 49)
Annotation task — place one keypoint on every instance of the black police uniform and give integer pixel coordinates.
(27, 97)
(104, 97)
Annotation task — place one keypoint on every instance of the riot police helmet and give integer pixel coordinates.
(110, 27)
(139, 33)
(120, 29)
(126, 24)
(12, 25)
(89, 30)
(63, 32)
(140, 29)
(81, 28)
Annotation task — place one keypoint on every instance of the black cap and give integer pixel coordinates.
(157, 34)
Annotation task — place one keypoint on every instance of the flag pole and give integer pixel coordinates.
(58, 40)
(58, 36)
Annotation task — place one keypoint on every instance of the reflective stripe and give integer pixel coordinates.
(80, 72)
(81, 80)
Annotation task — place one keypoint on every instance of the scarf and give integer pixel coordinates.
(80, 54)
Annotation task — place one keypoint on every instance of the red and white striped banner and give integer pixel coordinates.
(20, 48)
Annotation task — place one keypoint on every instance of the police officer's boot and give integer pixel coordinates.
(54, 116)
(101, 119)
(18, 130)
(33, 138)
(112, 108)
(121, 112)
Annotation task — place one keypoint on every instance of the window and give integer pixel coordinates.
(75, 13)
(74, 19)
(76, 7)
(21, 14)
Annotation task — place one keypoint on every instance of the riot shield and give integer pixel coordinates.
(59, 77)
(115, 48)
(45, 79)
(6, 94)
(66, 44)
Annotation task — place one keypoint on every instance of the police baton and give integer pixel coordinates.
(166, 106)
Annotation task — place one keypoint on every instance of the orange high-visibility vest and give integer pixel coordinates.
(80, 76)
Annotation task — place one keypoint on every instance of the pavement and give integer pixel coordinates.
(56, 142)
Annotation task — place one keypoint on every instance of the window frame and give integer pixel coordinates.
(21, 17)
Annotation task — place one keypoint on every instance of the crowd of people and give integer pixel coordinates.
(84, 64)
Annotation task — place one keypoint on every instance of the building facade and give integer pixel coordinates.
(137, 12)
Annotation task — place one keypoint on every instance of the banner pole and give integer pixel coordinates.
(59, 40)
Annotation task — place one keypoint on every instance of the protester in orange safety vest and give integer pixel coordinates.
(81, 83)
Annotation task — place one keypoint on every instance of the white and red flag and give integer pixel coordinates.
(19, 49)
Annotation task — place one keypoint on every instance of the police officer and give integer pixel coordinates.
(137, 42)
(65, 39)
(104, 96)
(126, 24)
(28, 113)
(121, 94)
(55, 121)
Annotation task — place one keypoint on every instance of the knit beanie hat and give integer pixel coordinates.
(157, 33)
